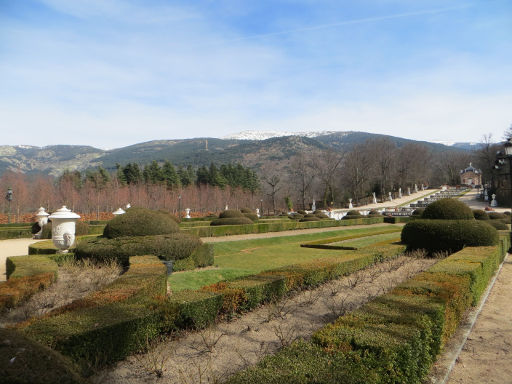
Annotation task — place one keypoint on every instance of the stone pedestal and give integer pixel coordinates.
(63, 228)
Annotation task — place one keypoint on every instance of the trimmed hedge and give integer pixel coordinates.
(309, 218)
(230, 213)
(202, 256)
(25, 362)
(276, 226)
(497, 216)
(107, 325)
(241, 220)
(396, 219)
(447, 235)
(26, 276)
(176, 246)
(81, 229)
(15, 233)
(140, 222)
(448, 209)
(480, 214)
(418, 212)
(324, 243)
(393, 339)
(498, 224)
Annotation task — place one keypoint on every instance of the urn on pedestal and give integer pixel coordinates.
(63, 228)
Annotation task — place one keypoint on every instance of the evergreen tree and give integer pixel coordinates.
(170, 176)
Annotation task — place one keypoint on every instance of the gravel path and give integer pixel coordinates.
(13, 247)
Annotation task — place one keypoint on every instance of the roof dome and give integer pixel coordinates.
(470, 169)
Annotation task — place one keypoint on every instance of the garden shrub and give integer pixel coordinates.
(175, 246)
(354, 213)
(140, 222)
(26, 276)
(230, 213)
(309, 218)
(15, 232)
(27, 362)
(498, 224)
(296, 216)
(448, 209)
(81, 229)
(196, 309)
(497, 216)
(373, 212)
(447, 235)
(302, 212)
(302, 363)
(232, 221)
(418, 212)
(396, 219)
(251, 216)
(248, 210)
(109, 324)
(202, 256)
(480, 214)
(320, 215)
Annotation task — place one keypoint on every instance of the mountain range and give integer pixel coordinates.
(251, 148)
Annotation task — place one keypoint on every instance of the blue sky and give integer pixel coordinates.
(109, 73)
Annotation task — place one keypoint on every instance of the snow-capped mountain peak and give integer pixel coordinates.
(263, 135)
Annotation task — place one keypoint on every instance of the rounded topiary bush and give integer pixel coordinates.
(297, 216)
(247, 210)
(448, 209)
(140, 222)
(251, 216)
(497, 216)
(480, 214)
(232, 221)
(447, 235)
(353, 213)
(320, 215)
(230, 213)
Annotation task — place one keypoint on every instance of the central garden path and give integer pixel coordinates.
(210, 355)
(294, 232)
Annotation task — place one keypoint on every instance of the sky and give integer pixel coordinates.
(111, 73)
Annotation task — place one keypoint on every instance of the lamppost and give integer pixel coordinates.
(261, 207)
(508, 155)
(8, 197)
(179, 206)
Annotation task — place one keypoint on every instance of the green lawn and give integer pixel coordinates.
(241, 258)
(369, 240)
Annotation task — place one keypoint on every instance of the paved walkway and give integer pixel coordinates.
(396, 202)
(472, 199)
(13, 247)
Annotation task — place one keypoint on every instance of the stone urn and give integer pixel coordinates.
(63, 228)
(187, 213)
(119, 211)
(42, 220)
(258, 212)
(350, 206)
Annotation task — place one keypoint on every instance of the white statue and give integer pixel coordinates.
(415, 188)
(313, 206)
(408, 191)
(187, 211)
(400, 192)
(486, 195)
(374, 198)
(390, 196)
(258, 212)
(350, 206)
(42, 220)
(494, 203)
(226, 207)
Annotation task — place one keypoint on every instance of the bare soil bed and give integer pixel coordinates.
(211, 355)
(75, 280)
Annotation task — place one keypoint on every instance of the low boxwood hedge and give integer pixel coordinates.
(480, 214)
(15, 232)
(241, 220)
(447, 235)
(276, 226)
(396, 219)
(176, 246)
(26, 276)
(202, 256)
(497, 216)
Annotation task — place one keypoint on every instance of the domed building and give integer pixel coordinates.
(471, 176)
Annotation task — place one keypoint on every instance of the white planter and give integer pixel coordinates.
(63, 228)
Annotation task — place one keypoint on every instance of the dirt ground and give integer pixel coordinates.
(212, 354)
(487, 354)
